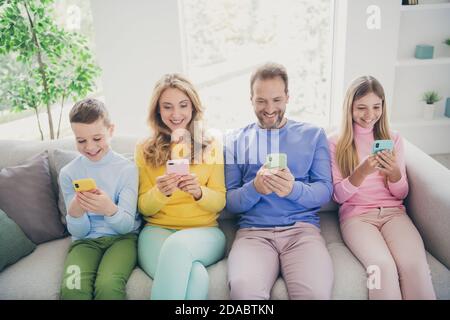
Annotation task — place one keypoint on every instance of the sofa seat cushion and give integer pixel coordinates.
(38, 275)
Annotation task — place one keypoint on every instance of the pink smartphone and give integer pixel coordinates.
(177, 166)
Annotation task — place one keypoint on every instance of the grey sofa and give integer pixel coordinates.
(38, 275)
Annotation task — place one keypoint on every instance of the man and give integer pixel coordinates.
(278, 221)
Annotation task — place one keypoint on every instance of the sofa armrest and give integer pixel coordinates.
(428, 201)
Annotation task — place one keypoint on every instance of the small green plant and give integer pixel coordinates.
(447, 41)
(430, 97)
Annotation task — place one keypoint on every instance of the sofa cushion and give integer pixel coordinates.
(428, 201)
(27, 196)
(58, 159)
(14, 244)
(38, 275)
(440, 276)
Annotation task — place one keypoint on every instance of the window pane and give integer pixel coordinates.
(72, 15)
(226, 39)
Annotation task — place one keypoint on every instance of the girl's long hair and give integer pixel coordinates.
(346, 154)
(157, 148)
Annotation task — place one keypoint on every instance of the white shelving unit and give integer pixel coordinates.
(423, 62)
(439, 121)
(427, 23)
(423, 7)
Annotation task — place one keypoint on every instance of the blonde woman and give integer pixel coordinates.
(182, 236)
(371, 188)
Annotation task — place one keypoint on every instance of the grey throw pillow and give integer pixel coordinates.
(27, 196)
(14, 244)
(60, 158)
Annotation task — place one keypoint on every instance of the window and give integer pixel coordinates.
(72, 15)
(224, 40)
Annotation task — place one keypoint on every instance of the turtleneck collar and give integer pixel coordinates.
(361, 130)
(107, 157)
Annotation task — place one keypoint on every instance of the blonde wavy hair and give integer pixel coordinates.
(346, 154)
(157, 148)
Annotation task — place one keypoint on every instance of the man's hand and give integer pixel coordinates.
(260, 186)
(280, 181)
(97, 201)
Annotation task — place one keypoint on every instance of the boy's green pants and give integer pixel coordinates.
(99, 268)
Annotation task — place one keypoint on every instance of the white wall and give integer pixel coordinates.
(366, 51)
(136, 43)
(133, 56)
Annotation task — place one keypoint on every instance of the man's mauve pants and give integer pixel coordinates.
(299, 251)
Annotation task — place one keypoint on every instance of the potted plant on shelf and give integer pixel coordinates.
(430, 98)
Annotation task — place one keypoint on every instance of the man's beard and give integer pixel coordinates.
(275, 124)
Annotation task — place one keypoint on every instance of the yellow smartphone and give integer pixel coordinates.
(82, 185)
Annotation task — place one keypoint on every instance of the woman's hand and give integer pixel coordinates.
(167, 183)
(189, 183)
(388, 165)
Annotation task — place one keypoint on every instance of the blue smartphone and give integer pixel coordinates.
(380, 145)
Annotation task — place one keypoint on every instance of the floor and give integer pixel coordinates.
(443, 158)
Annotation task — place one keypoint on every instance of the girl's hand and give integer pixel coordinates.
(366, 167)
(189, 183)
(97, 201)
(167, 183)
(388, 165)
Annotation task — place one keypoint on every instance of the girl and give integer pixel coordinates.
(181, 237)
(371, 188)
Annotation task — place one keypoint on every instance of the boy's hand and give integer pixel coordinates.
(97, 201)
(75, 210)
(388, 165)
(189, 183)
(280, 181)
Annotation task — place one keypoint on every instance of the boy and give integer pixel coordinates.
(103, 222)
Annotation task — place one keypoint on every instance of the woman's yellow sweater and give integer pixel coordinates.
(181, 210)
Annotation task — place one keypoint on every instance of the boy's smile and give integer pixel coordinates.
(93, 140)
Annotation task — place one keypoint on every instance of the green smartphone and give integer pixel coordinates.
(276, 161)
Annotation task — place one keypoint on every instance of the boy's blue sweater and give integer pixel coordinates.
(115, 175)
